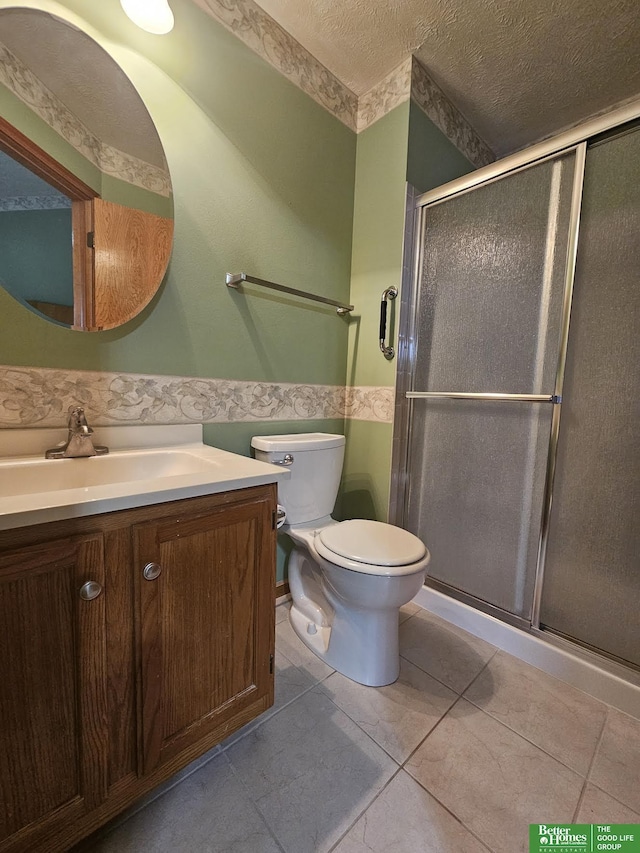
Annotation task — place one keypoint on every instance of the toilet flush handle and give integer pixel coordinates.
(287, 460)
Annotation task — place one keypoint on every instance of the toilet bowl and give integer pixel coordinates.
(347, 579)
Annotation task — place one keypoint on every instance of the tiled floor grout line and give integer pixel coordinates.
(446, 808)
(428, 735)
(295, 699)
(524, 737)
(254, 805)
(367, 807)
(256, 725)
(462, 697)
(402, 766)
(154, 795)
(459, 696)
(449, 709)
(355, 722)
(397, 767)
(591, 763)
(477, 676)
(364, 732)
(298, 666)
(611, 796)
(439, 680)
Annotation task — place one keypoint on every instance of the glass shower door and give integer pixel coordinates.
(486, 344)
(591, 589)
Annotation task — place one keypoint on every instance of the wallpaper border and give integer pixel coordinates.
(28, 88)
(40, 397)
(436, 106)
(262, 34)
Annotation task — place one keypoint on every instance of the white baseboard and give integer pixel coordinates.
(576, 668)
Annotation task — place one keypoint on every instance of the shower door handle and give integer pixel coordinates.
(486, 398)
(387, 351)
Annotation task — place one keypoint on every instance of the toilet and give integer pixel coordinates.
(348, 579)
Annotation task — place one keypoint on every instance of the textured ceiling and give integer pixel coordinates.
(518, 70)
(84, 78)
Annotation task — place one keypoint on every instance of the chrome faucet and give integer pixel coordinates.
(79, 442)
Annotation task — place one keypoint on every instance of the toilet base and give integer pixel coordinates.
(315, 637)
(363, 647)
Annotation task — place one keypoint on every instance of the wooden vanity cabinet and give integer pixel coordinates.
(53, 708)
(130, 644)
(206, 654)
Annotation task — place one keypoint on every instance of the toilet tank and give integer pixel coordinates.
(315, 471)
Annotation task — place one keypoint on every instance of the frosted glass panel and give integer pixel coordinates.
(477, 483)
(489, 319)
(592, 577)
(490, 305)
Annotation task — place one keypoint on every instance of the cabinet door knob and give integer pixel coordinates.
(90, 590)
(151, 571)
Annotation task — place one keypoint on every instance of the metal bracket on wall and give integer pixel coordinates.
(234, 280)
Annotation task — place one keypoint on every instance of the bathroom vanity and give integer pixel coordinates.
(133, 639)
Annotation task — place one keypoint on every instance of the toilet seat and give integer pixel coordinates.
(372, 547)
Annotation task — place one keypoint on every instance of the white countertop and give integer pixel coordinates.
(145, 465)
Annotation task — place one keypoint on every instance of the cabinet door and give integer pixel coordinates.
(205, 623)
(52, 692)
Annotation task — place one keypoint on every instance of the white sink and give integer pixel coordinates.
(145, 465)
(29, 476)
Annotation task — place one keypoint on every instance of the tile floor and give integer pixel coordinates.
(466, 749)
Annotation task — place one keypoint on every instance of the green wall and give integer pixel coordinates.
(378, 225)
(404, 146)
(267, 182)
(263, 183)
(364, 490)
(432, 160)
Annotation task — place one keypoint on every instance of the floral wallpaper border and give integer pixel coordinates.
(24, 84)
(258, 30)
(40, 397)
(411, 80)
(31, 202)
(395, 89)
(435, 104)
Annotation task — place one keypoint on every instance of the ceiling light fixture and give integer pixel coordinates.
(153, 16)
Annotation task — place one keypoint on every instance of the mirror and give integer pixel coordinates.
(86, 207)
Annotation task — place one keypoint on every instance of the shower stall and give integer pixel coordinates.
(516, 452)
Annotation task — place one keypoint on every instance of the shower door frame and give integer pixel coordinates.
(575, 139)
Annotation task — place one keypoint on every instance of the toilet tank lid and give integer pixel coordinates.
(297, 441)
